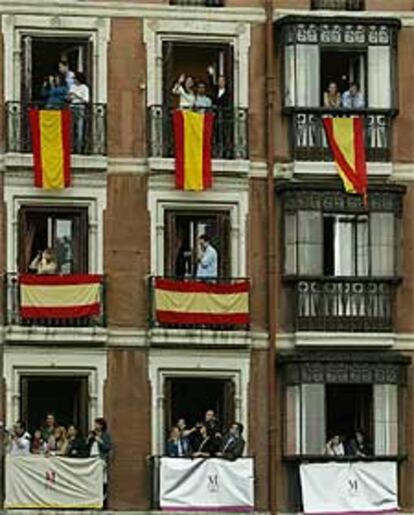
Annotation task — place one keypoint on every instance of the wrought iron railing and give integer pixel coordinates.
(340, 5)
(309, 142)
(184, 309)
(351, 304)
(230, 134)
(13, 312)
(88, 131)
(200, 3)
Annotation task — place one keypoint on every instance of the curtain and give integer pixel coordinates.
(344, 250)
(385, 419)
(379, 77)
(292, 420)
(307, 76)
(310, 242)
(290, 243)
(382, 244)
(289, 71)
(313, 418)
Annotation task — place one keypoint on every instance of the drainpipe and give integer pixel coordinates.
(271, 256)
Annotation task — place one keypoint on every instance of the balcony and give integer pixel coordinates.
(217, 305)
(86, 309)
(351, 304)
(198, 3)
(202, 485)
(230, 136)
(91, 121)
(338, 5)
(309, 143)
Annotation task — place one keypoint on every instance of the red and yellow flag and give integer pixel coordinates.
(59, 296)
(192, 137)
(346, 140)
(51, 147)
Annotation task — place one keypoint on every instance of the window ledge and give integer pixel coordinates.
(219, 166)
(90, 162)
(198, 338)
(14, 334)
(343, 339)
(327, 169)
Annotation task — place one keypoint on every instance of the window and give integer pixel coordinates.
(334, 244)
(65, 397)
(181, 241)
(65, 230)
(194, 59)
(40, 58)
(191, 397)
(346, 5)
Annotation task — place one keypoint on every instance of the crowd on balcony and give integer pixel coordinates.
(355, 445)
(53, 439)
(206, 439)
(352, 98)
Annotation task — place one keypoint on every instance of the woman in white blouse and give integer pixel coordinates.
(184, 89)
(79, 98)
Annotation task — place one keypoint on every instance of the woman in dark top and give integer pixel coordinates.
(206, 445)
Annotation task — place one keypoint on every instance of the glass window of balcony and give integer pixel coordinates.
(188, 68)
(63, 230)
(65, 398)
(182, 241)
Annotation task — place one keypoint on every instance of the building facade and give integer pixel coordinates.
(331, 335)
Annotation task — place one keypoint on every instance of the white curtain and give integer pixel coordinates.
(379, 77)
(385, 419)
(313, 419)
(382, 244)
(310, 242)
(344, 251)
(289, 71)
(307, 76)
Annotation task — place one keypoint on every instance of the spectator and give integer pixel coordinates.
(44, 263)
(223, 124)
(76, 444)
(206, 446)
(79, 98)
(182, 426)
(49, 427)
(335, 446)
(100, 441)
(67, 74)
(184, 90)
(353, 98)
(221, 94)
(58, 442)
(207, 259)
(20, 440)
(38, 444)
(202, 101)
(332, 96)
(55, 92)
(212, 424)
(177, 445)
(358, 446)
(233, 443)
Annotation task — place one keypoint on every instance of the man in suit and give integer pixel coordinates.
(232, 445)
(223, 126)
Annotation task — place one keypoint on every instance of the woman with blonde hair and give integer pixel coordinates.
(45, 262)
(58, 442)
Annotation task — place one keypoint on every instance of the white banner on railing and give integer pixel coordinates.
(55, 482)
(206, 484)
(334, 487)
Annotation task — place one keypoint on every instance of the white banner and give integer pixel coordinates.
(358, 486)
(210, 484)
(55, 482)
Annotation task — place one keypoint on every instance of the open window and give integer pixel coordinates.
(66, 397)
(193, 59)
(191, 397)
(40, 58)
(183, 228)
(64, 229)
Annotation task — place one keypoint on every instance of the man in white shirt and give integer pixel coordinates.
(202, 101)
(79, 98)
(207, 259)
(353, 98)
(20, 440)
(68, 74)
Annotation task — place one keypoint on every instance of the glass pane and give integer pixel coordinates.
(386, 419)
(290, 243)
(64, 245)
(310, 242)
(382, 244)
(313, 419)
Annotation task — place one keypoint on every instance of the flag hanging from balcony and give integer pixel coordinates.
(201, 302)
(346, 141)
(50, 129)
(192, 138)
(59, 296)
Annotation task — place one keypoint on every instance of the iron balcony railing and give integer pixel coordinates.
(351, 304)
(230, 133)
(216, 304)
(198, 3)
(88, 130)
(309, 142)
(13, 312)
(339, 5)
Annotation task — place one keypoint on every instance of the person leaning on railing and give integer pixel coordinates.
(45, 262)
(232, 445)
(55, 92)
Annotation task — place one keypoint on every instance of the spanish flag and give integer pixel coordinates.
(346, 140)
(59, 296)
(51, 147)
(192, 137)
(201, 302)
